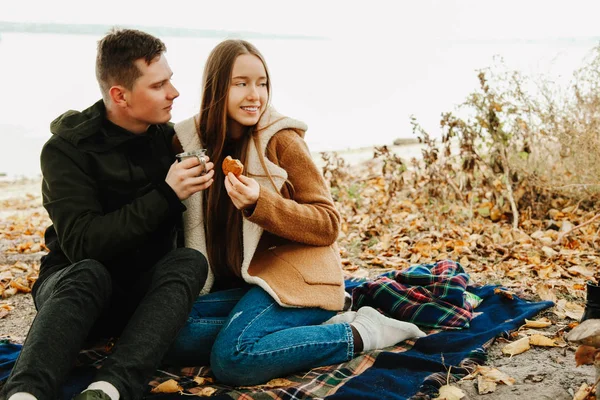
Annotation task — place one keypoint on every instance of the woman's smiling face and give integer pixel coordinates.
(248, 94)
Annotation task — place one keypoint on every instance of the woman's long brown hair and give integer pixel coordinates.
(223, 220)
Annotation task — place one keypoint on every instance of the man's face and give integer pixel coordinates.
(151, 98)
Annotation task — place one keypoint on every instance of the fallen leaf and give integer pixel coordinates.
(495, 375)
(277, 382)
(549, 252)
(202, 380)
(273, 383)
(485, 386)
(9, 292)
(205, 391)
(545, 273)
(516, 347)
(545, 292)
(574, 310)
(581, 270)
(540, 323)
(504, 293)
(584, 355)
(169, 386)
(448, 392)
(19, 286)
(584, 392)
(539, 340)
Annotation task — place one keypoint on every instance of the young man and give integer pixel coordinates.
(114, 196)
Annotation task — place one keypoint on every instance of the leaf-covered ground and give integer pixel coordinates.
(391, 227)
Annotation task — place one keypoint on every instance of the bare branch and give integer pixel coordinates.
(563, 234)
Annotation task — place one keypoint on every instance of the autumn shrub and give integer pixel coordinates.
(518, 143)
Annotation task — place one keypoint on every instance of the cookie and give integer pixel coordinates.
(232, 165)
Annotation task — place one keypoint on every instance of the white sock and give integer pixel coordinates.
(378, 331)
(22, 396)
(340, 318)
(106, 387)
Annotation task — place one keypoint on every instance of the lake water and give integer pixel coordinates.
(351, 93)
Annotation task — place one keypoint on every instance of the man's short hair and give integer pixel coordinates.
(117, 53)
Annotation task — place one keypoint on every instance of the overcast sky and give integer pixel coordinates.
(425, 19)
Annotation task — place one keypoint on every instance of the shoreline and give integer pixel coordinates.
(406, 149)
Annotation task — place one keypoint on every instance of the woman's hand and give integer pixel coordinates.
(242, 190)
(188, 177)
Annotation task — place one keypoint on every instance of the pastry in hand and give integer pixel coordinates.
(232, 165)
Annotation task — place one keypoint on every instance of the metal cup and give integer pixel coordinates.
(200, 154)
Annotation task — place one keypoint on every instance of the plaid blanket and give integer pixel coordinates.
(411, 370)
(431, 295)
(316, 383)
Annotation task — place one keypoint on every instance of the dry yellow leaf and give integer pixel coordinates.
(495, 214)
(540, 323)
(529, 332)
(19, 286)
(448, 392)
(202, 380)
(9, 292)
(205, 391)
(544, 273)
(6, 275)
(516, 347)
(536, 260)
(495, 375)
(273, 383)
(545, 292)
(584, 392)
(485, 386)
(573, 310)
(277, 382)
(540, 340)
(513, 273)
(169, 386)
(385, 242)
(581, 270)
(505, 293)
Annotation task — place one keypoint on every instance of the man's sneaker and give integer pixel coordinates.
(93, 394)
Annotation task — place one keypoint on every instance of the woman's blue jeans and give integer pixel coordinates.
(249, 339)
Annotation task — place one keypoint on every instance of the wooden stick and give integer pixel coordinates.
(511, 197)
(563, 234)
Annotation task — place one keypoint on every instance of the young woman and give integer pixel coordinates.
(269, 236)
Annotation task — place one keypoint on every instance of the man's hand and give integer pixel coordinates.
(185, 177)
(242, 190)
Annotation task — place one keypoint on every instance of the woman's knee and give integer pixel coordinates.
(228, 368)
(237, 368)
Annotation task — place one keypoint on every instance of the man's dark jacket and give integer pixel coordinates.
(105, 191)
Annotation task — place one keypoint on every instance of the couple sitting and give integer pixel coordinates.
(184, 264)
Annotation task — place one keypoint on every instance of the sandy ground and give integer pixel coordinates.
(540, 373)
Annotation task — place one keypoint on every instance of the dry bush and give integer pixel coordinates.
(571, 120)
(520, 143)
